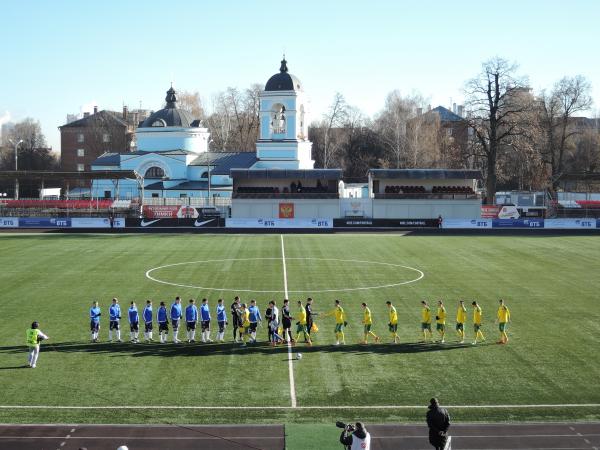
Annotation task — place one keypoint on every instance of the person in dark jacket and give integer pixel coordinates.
(359, 438)
(438, 422)
(309, 314)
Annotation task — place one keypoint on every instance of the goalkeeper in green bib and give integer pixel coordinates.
(34, 337)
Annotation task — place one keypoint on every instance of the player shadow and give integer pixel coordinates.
(23, 366)
(167, 350)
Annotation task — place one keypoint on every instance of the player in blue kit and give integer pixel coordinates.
(205, 320)
(191, 318)
(114, 313)
(134, 323)
(147, 315)
(163, 322)
(255, 319)
(221, 320)
(95, 314)
(176, 314)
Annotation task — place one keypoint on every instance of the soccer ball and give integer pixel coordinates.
(298, 356)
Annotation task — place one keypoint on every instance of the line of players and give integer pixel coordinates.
(247, 318)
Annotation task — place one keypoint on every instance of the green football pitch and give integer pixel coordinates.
(548, 371)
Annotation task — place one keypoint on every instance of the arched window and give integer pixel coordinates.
(204, 175)
(278, 119)
(154, 172)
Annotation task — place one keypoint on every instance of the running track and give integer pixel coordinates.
(549, 436)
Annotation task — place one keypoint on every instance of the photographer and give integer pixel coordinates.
(355, 437)
(438, 422)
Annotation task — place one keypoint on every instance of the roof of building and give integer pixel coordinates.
(283, 81)
(424, 174)
(170, 115)
(107, 159)
(59, 175)
(223, 162)
(446, 115)
(114, 159)
(296, 174)
(185, 185)
(100, 116)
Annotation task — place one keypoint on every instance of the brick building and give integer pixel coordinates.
(83, 141)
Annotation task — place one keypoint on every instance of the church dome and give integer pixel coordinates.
(170, 115)
(283, 81)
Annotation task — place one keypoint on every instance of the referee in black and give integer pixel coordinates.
(235, 318)
(309, 314)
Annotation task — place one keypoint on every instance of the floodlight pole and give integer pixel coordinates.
(210, 202)
(16, 166)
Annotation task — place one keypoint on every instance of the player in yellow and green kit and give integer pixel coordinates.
(503, 319)
(440, 319)
(477, 316)
(340, 322)
(461, 319)
(244, 315)
(301, 326)
(368, 323)
(393, 323)
(33, 338)
(426, 321)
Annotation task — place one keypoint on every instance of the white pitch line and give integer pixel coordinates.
(356, 407)
(289, 344)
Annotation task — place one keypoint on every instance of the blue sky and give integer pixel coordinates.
(59, 56)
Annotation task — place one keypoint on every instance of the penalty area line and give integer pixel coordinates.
(289, 344)
(327, 407)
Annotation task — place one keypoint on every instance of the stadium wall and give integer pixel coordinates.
(429, 209)
(92, 223)
(278, 208)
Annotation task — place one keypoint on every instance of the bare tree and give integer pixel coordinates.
(335, 117)
(361, 147)
(495, 100)
(219, 121)
(392, 125)
(190, 101)
(234, 121)
(556, 110)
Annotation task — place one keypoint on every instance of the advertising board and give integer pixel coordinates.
(467, 223)
(44, 222)
(279, 223)
(9, 222)
(570, 224)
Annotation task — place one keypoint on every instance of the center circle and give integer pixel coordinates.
(420, 274)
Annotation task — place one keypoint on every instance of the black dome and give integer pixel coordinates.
(170, 116)
(283, 81)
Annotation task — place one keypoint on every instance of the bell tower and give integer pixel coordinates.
(283, 136)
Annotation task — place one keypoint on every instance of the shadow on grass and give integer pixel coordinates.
(213, 349)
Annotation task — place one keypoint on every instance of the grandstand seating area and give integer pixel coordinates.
(405, 190)
(452, 190)
(67, 208)
(575, 209)
(293, 191)
(58, 204)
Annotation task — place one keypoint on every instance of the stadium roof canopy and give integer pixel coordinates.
(287, 174)
(57, 175)
(425, 174)
(589, 177)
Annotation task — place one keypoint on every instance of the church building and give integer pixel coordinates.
(173, 155)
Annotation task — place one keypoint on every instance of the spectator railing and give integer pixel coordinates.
(430, 196)
(287, 195)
